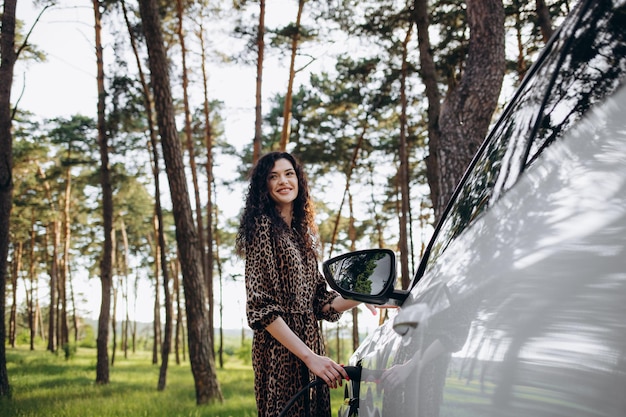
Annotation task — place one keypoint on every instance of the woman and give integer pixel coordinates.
(286, 294)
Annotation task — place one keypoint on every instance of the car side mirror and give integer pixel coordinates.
(368, 275)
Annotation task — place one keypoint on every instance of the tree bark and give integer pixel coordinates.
(521, 55)
(63, 276)
(106, 263)
(54, 277)
(199, 337)
(114, 321)
(458, 126)
(284, 137)
(221, 283)
(429, 77)
(52, 231)
(355, 311)
(179, 335)
(32, 277)
(189, 138)
(403, 171)
(544, 20)
(467, 110)
(208, 143)
(258, 120)
(166, 343)
(124, 287)
(9, 56)
(161, 263)
(16, 266)
(156, 308)
(353, 164)
(73, 310)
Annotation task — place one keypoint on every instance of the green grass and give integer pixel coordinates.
(44, 384)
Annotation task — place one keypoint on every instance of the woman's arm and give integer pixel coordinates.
(340, 304)
(325, 368)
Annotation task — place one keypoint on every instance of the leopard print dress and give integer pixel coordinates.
(284, 281)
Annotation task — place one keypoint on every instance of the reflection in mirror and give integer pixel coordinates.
(364, 273)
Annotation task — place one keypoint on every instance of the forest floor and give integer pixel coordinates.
(46, 384)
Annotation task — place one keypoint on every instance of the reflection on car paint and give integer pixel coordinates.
(520, 310)
(515, 350)
(591, 65)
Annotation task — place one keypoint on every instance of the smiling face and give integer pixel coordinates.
(282, 183)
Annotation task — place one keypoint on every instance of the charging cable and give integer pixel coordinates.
(354, 373)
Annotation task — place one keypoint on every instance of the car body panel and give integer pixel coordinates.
(518, 308)
(492, 327)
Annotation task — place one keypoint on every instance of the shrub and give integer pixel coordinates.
(244, 353)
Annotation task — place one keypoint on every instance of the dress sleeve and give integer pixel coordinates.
(322, 297)
(262, 306)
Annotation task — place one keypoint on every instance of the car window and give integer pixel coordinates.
(592, 69)
(591, 65)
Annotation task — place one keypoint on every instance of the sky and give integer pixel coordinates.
(65, 85)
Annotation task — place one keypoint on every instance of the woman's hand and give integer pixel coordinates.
(327, 370)
(340, 304)
(371, 308)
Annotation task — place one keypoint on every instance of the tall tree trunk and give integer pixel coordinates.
(63, 276)
(166, 343)
(9, 56)
(284, 137)
(208, 141)
(52, 231)
(133, 323)
(73, 310)
(467, 110)
(258, 115)
(156, 312)
(106, 263)
(220, 350)
(221, 281)
(353, 163)
(53, 340)
(383, 313)
(39, 321)
(189, 139)
(124, 287)
(199, 336)
(403, 171)
(116, 290)
(32, 277)
(179, 315)
(355, 311)
(521, 55)
(161, 249)
(377, 220)
(428, 73)
(457, 128)
(114, 325)
(156, 323)
(133, 328)
(544, 20)
(16, 266)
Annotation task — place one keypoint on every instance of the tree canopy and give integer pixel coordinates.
(367, 94)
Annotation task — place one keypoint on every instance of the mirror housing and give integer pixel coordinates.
(367, 275)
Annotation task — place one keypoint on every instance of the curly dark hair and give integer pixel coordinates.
(259, 203)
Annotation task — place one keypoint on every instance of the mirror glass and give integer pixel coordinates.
(365, 272)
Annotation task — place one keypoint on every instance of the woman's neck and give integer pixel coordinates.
(286, 212)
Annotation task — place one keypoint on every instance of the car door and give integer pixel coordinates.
(503, 312)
